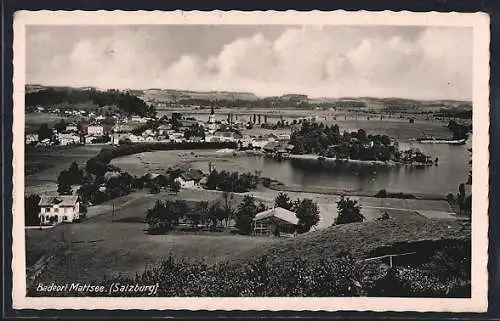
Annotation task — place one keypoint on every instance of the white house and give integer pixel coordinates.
(31, 138)
(190, 178)
(138, 119)
(95, 130)
(68, 139)
(57, 209)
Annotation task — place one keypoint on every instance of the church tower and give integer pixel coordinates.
(211, 118)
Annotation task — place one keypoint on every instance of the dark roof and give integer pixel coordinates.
(192, 174)
(61, 200)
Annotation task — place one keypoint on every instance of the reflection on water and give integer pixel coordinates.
(442, 179)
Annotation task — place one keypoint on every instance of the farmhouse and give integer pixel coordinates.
(275, 221)
(95, 130)
(190, 178)
(57, 209)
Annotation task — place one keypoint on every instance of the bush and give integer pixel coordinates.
(381, 194)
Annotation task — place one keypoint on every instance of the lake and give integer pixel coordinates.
(452, 170)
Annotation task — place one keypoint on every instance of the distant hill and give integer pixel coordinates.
(170, 95)
(85, 98)
(290, 100)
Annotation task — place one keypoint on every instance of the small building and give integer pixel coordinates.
(120, 132)
(163, 129)
(68, 139)
(276, 221)
(277, 147)
(57, 209)
(95, 130)
(138, 119)
(190, 178)
(226, 136)
(72, 127)
(31, 138)
(90, 139)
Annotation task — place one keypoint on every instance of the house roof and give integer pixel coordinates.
(61, 200)
(122, 128)
(278, 146)
(278, 212)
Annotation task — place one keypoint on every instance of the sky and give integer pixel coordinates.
(268, 60)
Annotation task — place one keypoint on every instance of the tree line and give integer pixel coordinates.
(320, 139)
(459, 131)
(126, 102)
(166, 215)
(231, 182)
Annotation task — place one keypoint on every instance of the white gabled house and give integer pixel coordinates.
(57, 209)
(190, 178)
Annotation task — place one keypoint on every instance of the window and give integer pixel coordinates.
(56, 210)
(47, 210)
(65, 218)
(65, 210)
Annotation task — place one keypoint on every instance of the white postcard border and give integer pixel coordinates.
(480, 187)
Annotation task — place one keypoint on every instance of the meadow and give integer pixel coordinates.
(42, 166)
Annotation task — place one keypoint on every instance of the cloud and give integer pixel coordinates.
(318, 61)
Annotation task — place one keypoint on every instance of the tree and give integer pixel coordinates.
(215, 213)
(44, 132)
(175, 186)
(227, 198)
(202, 208)
(60, 126)
(283, 201)
(31, 210)
(261, 207)
(64, 183)
(157, 218)
(461, 195)
(308, 214)
(247, 210)
(348, 211)
(75, 174)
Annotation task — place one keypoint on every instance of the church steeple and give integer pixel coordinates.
(212, 110)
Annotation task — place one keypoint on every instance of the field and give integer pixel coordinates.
(43, 166)
(34, 120)
(108, 244)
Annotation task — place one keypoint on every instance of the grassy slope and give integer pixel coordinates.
(360, 238)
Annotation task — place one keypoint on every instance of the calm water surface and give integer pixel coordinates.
(452, 170)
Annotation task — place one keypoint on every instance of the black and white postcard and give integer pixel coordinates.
(251, 160)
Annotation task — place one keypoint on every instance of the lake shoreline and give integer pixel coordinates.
(279, 186)
(318, 158)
